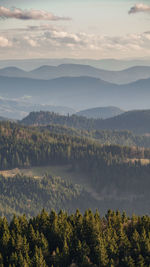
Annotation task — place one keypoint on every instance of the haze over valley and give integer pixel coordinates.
(73, 93)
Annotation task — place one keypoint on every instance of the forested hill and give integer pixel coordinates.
(46, 118)
(29, 146)
(19, 195)
(106, 137)
(76, 240)
(118, 175)
(137, 121)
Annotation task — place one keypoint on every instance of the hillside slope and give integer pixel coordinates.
(110, 171)
(100, 112)
(19, 108)
(137, 121)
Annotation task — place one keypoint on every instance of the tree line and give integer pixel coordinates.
(62, 240)
(28, 195)
(102, 165)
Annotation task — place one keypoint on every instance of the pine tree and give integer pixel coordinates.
(14, 259)
(128, 262)
(38, 259)
(101, 256)
(1, 260)
(64, 258)
(140, 262)
(112, 263)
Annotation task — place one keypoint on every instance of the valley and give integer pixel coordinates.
(74, 133)
(100, 172)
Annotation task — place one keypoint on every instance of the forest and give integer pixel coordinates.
(88, 240)
(26, 195)
(117, 176)
(137, 121)
(108, 137)
(25, 146)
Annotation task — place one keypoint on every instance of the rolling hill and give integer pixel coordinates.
(137, 121)
(113, 174)
(78, 92)
(100, 112)
(46, 72)
(107, 64)
(76, 70)
(13, 72)
(19, 108)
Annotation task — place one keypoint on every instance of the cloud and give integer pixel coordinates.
(139, 8)
(31, 42)
(39, 28)
(51, 41)
(63, 37)
(57, 39)
(30, 28)
(4, 42)
(17, 13)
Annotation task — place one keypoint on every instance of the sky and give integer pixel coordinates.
(74, 29)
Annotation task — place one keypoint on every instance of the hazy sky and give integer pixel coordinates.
(74, 28)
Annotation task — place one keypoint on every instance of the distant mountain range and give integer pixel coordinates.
(18, 109)
(77, 93)
(100, 112)
(137, 121)
(107, 64)
(76, 70)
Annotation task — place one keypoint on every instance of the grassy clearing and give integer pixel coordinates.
(63, 171)
(10, 173)
(142, 161)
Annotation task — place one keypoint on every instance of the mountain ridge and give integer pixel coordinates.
(47, 72)
(77, 92)
(100, 112)
(107, 63)
(137, 121)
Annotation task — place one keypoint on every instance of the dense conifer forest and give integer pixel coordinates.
(118, 175)
(25, 146)
(62, 240)
(114, 137)
(26, 195)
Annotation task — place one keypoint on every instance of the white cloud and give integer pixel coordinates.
(83, 41)
(65, 38)
(47, 41)
(30, 41)
(139, 8)
(4, 42)
(32, 14)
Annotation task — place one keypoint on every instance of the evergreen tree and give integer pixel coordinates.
(38, 259)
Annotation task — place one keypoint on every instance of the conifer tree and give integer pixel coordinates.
(140, 261)
(38, 259)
